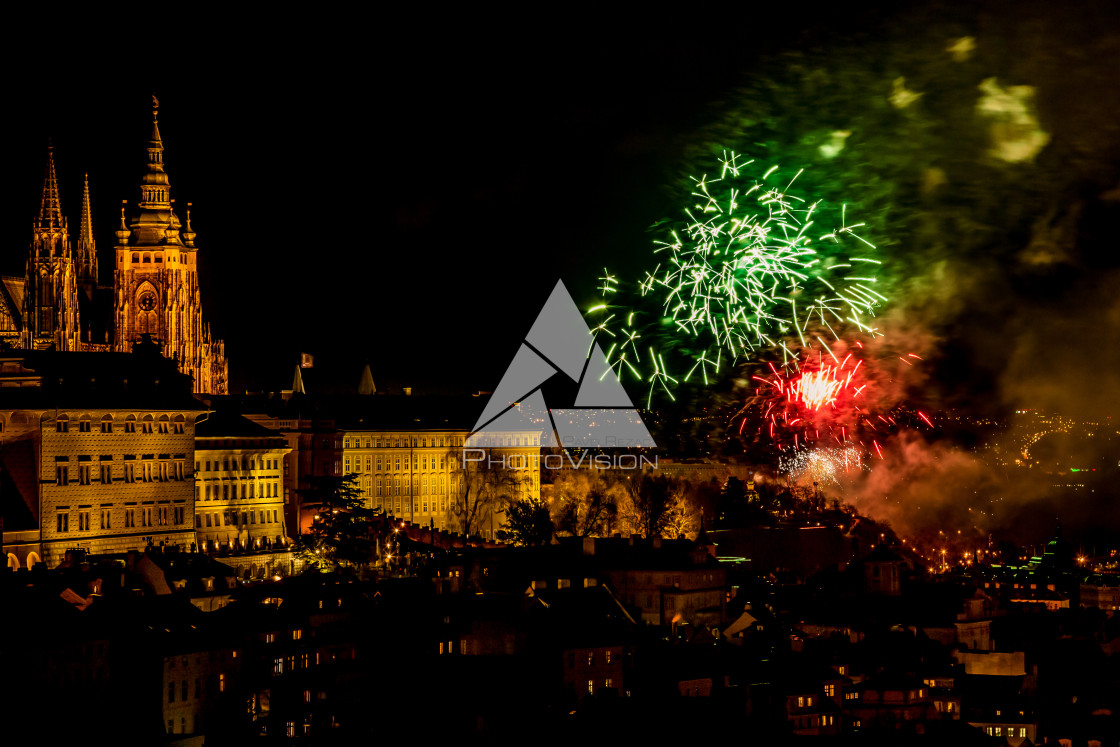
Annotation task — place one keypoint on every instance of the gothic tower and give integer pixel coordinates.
(86, 258)
(50, 299)
(156, 280)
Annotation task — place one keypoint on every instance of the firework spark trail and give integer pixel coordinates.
(747, 270)
(822, 465)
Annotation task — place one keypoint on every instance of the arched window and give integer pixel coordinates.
(33, 559)
(13, 562)
(107, 423)
(147, 258)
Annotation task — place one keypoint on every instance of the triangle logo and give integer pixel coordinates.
(560, 343)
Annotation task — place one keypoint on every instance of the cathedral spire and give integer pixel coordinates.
(87, 250)
(50, 209)
(154, 187)
(85, 226)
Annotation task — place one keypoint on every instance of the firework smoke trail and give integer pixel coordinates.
(747, 270)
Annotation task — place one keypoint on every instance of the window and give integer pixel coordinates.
(170, 698)
(129, 472)
(106, 472)
(62, 425)
(221, 683)
(83, 474)
(62, 475)
(83, 521)
(130, 425)
(146, 516)
(63, 522)
(591, 687)
(106, 518)
(180, 514)
(130, 517)
(83, 426)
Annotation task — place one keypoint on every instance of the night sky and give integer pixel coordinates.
(404, 193)
(406, 200)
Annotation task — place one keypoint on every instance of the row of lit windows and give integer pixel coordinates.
(147, 424)
(216, 518)
(400, 442)
(420, 485)
(997, 731)
(150, 470)
(418, 505)
(249, 463)
(148, 516)
(418, 462)
(229, 490)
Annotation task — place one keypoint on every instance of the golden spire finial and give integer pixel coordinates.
(155, 108)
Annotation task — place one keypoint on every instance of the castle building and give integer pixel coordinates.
(239, 496)
(96, 453)
(58, 302)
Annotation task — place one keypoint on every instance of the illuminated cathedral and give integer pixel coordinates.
(58, 302)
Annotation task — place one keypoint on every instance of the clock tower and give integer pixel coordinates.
(155, 279)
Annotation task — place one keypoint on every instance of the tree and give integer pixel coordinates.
(340, 531)
(528, 523)
(584, 504)
(650, 499)
(478, 489)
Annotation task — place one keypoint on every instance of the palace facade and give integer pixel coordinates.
(58, 302)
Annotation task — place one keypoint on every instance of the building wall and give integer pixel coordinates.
(113, 480)
(417, 475)
(239, 492)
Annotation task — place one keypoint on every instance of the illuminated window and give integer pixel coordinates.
(800, 701)
(591, 687)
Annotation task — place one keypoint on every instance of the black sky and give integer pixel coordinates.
(402, 191)
(402, 194)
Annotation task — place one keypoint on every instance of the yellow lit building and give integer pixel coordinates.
(97, 453)
(239, 495)
(422, 475)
